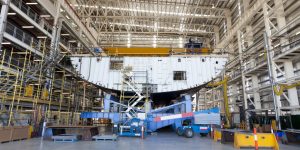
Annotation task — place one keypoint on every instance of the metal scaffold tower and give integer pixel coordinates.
(27, 86)
(138, 95)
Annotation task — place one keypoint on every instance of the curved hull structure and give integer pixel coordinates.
(161, 76)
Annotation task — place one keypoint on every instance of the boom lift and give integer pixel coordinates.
(199, 122)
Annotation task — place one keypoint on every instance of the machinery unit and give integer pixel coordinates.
(134, 128)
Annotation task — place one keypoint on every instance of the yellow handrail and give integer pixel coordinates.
(283, 87)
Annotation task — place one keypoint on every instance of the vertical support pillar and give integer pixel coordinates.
(256, 95)
(197, 99)
(79, 45)
(233, 99)
(246, 5)
(240, 45)
(54, 45)
(115, 108)
(42, 22)
(107, 102)
(228, 20)
(280, 15)
(292, 93)
(3, 20)
(249, 37)
(176, 110)
(147, 106)
(231, 49)
(271, 66)
(55, 25)
(187, 107)
(217, 34)
(207, 42)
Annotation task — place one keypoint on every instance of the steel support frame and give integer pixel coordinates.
(3, 19)
(246, 18)
(117, 18)
(271, 68)
(245, 99)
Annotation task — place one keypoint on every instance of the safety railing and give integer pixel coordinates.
(31, 13)
(254, 62)
(21, 35)
(231, 63)
(285, 48)
(235, 73)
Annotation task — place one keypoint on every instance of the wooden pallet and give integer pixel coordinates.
(112, 137)
(65, 138)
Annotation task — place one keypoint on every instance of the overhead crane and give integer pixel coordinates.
(150, 51)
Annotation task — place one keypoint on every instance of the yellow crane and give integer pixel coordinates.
(225, 96)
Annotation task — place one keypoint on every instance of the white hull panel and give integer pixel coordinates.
(156, 71)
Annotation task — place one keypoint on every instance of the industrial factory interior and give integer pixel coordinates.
(149, 74)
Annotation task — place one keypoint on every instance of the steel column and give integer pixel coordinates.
(3, 18)
(289, 73)
(240, 45)
(256, 94)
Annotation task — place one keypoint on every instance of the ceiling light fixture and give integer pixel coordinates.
(41, 37)
(27, 27)
(34, 3)
(45, 16)
(5, 43)
(11, 13)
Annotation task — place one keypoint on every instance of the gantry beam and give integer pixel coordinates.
(178, 5)
(161, 32)
(157, 17)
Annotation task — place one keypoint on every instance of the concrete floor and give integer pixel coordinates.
(162, 141)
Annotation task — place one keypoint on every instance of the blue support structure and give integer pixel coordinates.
(115, 117)
(184, 106)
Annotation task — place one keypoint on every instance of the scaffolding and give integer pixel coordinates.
(27, 88)
(128, 80)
